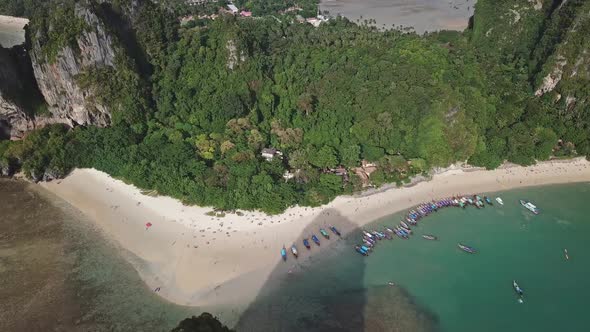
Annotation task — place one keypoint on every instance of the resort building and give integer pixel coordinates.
(364, 172)
(270, 153)
(288, 175)
(232, 8)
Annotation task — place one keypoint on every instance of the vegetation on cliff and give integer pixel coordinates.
(214, 96)
(204, 323)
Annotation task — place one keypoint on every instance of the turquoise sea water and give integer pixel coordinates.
(59, 273)
(440, 288)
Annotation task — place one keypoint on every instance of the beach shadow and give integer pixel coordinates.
(327, 291)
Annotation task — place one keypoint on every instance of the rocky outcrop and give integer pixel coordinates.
(57, 79)
(19, 95)
(552, 79)
(566, 68)
(15, 97)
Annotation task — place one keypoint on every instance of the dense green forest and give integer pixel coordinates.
(194, 123)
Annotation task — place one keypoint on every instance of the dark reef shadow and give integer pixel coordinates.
(326, 292)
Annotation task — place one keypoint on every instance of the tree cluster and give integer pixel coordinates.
(328, 98)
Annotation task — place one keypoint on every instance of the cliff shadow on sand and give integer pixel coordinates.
(328, 292)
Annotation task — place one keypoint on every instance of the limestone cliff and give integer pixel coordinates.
(564, 56)
(18, 94)
(550, 37)
(57, 75)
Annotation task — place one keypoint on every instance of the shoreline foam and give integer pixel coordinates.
(200, 260)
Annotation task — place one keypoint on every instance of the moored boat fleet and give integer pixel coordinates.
(370, 238)
(404, 229)
(307, 244)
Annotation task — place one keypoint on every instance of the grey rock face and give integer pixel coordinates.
(57, 81)
(13, 119)
(18, 92)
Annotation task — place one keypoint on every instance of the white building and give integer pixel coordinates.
(270, 153)
(232, 8)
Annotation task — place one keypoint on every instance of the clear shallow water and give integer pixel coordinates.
(60, 274)
(441, 288)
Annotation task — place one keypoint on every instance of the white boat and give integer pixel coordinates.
(529, 206)
(518, 291)
(499, 200)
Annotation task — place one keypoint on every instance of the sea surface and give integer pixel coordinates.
(60, 274)
(441, 288)
(421, 15)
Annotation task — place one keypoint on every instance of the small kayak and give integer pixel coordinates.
(324, 233)
(284, 253)
(467, 249)
(499, 200)
(294, 251)
(429, 237)
(315, 239)
(306, 243)
(333, 229)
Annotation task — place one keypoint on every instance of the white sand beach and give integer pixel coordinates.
(201, 260)
(12, 30)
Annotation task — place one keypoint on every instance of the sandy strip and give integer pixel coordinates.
(421, 15)
(12, 30)
(207, 261)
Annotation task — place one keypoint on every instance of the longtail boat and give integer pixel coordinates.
(284, 253)
(529, 206)
(294, 251)
(467, 249)
(429, 237)
(360, 250)
(324, 233)
(306, 243)
(315, 239)
(333, 229)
